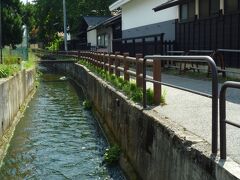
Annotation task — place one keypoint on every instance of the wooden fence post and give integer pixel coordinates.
(117, 64)
(91, 58)
(110, 63)
(101, 58)
(126, 67)
(94, 58)
(78, 58)
(105, 59)
(139, 70)
(98, 59)
(157, 90)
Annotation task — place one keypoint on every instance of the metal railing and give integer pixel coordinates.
(223, 121)
(214, 95)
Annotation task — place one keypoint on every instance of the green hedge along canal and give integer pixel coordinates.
(57, 138)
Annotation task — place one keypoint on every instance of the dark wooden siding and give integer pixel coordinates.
(146, 45)
(211, 33)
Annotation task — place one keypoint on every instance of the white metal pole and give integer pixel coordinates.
(65, 26)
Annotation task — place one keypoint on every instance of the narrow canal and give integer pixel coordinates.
(57, 138)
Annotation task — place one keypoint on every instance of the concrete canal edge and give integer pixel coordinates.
(15, 93)
(156, 147)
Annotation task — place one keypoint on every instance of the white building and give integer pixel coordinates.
(139, 19)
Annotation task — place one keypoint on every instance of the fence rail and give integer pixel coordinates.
(223, 121)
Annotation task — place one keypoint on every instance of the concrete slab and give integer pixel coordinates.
(193, 112)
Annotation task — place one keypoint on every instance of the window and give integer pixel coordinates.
(231, 5)
(204, 8)
(191, 9)
(102, 40)
(214, 7)
(184, 12)
(187, 11)
(208, 8)
(99, 40)
(106, 40)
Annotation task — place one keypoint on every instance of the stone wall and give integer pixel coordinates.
(156, 147)
(13, 91)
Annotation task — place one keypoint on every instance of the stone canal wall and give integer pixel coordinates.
(156, 147)
(13, 92)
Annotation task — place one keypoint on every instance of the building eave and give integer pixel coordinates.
(118, 4)
(169, 4)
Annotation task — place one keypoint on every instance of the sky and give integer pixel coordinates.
(24, 1)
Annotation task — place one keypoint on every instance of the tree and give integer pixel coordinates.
(50, 15)
(11, 22)
(28, 17)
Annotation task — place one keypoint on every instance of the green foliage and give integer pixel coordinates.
(49, 15)
(28, 15)
(12, 64)
(11, 59)
(55, 44)
(149, 95)
(10, 67)
(8, 70)
(112, 154)
(163, 97)
(29, 18)
(31, 61)
(129, 88)
(11, 22)
(137, 96)
(87, 104)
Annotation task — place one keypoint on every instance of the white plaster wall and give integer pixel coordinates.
(138, 13)
(92, 37)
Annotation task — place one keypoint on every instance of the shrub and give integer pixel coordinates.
(129, 88)
(87, 104)
(163, 97)
(11, 59)
(137, 95)
(55, 44)
(8, 70)
(112, 154)
(149, 96)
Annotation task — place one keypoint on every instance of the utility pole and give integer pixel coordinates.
(1, 56)
(65, 25)
(27, 35)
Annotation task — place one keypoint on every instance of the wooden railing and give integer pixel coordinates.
(122, 65)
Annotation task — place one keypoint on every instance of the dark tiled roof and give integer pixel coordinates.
(94, 20)
(106, 22)
(112, 19)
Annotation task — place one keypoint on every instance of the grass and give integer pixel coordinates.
(87, 105)
(129, 88)
(8, 70)
(13, 64)
(31, 61)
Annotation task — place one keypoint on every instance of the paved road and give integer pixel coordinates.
(194, 112)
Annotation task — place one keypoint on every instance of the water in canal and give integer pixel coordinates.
(57, 138)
